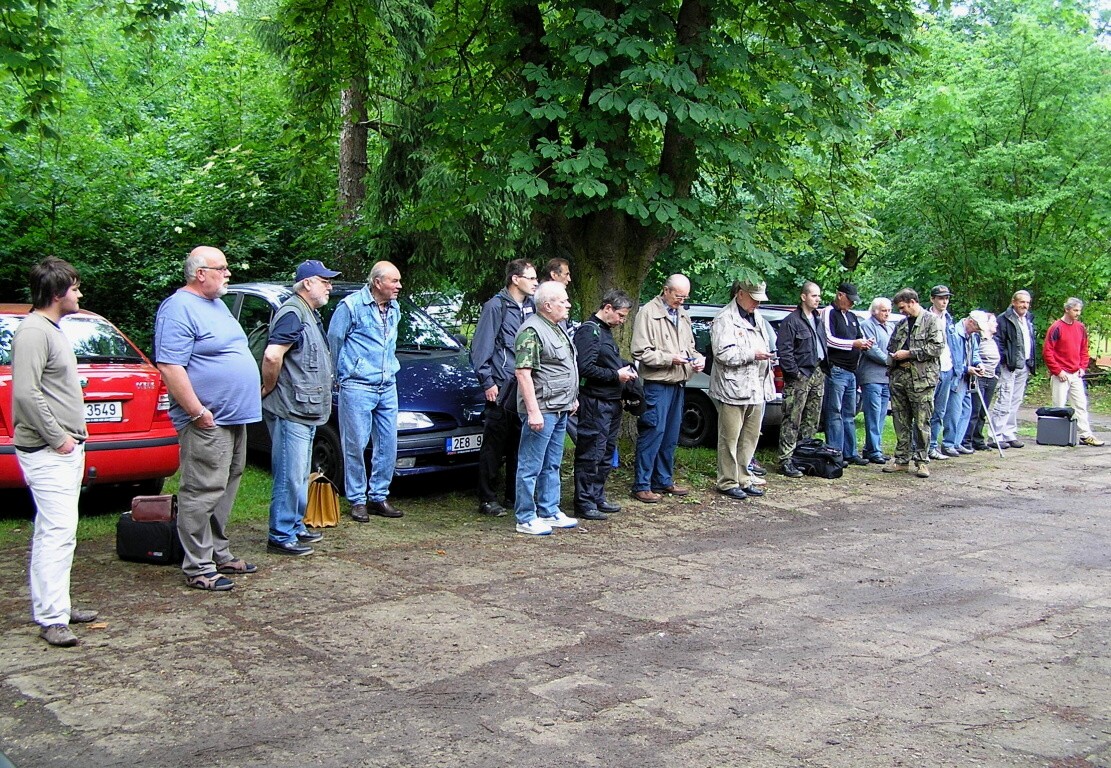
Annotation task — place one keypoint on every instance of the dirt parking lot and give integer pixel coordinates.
(878, 620)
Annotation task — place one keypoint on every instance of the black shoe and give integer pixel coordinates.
(752, 490)
(859, 461)
(980, 447)
(292, 548)
(492, 508)
(591, 514)
(734, 493)
(992, 446)
(879, 459)
(310, 537)
(790, 470)
(755, 468)
(609, 507)
(358, 513)
(383, 508)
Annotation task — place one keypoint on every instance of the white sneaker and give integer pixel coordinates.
(560, 520)
(534, 527)
(758, 480)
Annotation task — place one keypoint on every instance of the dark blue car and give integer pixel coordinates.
(440, 404)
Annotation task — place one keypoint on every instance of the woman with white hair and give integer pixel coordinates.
(981, 403)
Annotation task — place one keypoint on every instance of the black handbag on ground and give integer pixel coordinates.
(815, 458)
(152, 538)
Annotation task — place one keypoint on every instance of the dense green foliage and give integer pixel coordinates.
(720, 138)
(996, 169)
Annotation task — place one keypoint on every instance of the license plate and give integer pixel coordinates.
(104, 410)
(464, 443)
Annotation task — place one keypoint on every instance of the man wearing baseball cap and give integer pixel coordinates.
(845, 343)
(939, 306)
(296, 399)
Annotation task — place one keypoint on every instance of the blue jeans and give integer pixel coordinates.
(875, 399)
(368, 415)
(657, 436)
(538, 460)
(839, 406)
(290, 464)
(941, 402)
(958, 413)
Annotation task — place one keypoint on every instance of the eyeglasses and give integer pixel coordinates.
(223, 269)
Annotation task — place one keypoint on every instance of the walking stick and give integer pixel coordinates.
(987, 418)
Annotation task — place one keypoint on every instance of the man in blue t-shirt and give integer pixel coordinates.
(214, 381)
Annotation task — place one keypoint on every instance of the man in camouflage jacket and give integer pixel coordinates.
(915, 363)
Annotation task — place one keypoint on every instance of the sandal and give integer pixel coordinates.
(237, 565)
(212, 582)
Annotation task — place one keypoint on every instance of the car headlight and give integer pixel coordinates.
(413, 420)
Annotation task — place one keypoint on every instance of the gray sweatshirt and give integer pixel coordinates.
(46, 390)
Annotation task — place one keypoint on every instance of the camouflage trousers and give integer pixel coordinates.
(802, 410)
(911, 410)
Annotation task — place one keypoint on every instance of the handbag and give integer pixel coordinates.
(322, 510)
(154, 509)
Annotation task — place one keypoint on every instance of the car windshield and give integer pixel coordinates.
(94, 340)
(416, 331)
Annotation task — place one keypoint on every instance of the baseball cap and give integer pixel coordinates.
(939, 291)
(849, 290)
(758, 291)
(314, 268)
(981, 318)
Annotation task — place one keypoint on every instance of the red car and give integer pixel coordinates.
(127, 407)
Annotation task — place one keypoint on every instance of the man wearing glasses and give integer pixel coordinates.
(213, 379)
(296, 399)
(494, 362)
(663, 345)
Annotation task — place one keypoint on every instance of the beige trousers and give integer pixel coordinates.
(738, 432)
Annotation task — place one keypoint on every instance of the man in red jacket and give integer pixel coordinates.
(1066, 355)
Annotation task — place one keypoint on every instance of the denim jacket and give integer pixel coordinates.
(364, 349)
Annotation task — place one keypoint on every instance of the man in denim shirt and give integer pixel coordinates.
(363, 339)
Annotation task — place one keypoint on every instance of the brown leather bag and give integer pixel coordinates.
(154, 509)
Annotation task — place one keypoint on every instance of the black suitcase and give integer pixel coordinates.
(154, 542)
(813, 457)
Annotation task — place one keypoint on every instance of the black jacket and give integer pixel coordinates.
(599, 360)
(1009, 338)
(796, 345)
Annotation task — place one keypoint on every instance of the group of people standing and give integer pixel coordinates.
(944, 380)
(535, 375)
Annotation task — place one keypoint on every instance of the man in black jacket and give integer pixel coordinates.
(1016, 341)
(801, 347)
(492, 358)
(602, 373)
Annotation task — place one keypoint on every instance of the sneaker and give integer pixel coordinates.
(534, 527)
(922, 471)
(896, 466)
(789, 469)
(964, 450)
(291, 548)
(82, 615)
(1091, 440)
(310, 537)
(950, 452)
(937, 455)
(1017, 444)
(591, 514)
(560, 520)
(59, 634)
(755, 468)
(759, 481)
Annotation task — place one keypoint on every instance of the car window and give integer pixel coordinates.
(254, 316)
(415, 331)
(94, 340)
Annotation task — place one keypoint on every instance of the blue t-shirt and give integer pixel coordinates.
(202, 336)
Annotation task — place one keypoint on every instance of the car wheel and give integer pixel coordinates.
(700, 421)
(327, 455)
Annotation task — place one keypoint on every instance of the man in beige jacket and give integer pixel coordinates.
(663, 345)
(740, 384)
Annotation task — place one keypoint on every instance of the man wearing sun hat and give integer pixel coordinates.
(296, 399)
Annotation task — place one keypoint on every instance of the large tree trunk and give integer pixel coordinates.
(352, 159)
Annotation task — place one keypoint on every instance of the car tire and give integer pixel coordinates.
(327, 454)
(700, 421)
